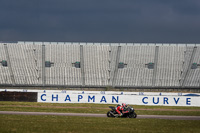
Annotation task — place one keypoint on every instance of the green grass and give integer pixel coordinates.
(73, 124)
(90, 105)
(98, 111)
(91, 108)
(62, 124)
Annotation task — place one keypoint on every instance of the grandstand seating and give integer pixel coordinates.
(5, 76)
(169, 67)
(62, 56)
(193, 78)
(96, 64)
(25, 61)
(172, 64)
(135, 74)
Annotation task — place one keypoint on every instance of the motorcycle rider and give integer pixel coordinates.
(120, 109)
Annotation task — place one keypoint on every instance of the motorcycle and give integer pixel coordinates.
(130, 114)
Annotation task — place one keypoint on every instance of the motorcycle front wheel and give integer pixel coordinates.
(133, 115)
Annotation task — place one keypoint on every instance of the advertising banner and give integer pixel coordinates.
(114, 97)
(103, 98)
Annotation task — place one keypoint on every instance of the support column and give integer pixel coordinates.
(155, 66)
(82, 65)
(43, 66)
(109, 69)
(116, 66)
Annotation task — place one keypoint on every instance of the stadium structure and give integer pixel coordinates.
(99, 65)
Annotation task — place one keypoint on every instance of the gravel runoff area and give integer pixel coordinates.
(103, 115)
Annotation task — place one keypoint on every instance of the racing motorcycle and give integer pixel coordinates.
(130, 114)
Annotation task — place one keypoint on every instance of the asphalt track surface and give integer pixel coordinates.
(103, 115)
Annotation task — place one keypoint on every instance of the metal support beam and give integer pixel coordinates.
(116, 66)
(43, 66)
(155, 66)
(9, 64)
(109, 69)
(82, 65)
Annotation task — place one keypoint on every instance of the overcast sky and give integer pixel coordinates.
(143, 21)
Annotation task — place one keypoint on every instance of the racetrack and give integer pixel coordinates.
(103, 115)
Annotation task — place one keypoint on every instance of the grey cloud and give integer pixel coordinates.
(100, 21)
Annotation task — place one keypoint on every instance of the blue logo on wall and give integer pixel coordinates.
(194, 95)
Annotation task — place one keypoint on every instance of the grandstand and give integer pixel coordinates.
(119, 65)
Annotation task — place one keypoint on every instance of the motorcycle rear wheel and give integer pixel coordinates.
(109, 114)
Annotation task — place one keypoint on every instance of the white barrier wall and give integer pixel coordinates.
(112, 97)
(115, 99)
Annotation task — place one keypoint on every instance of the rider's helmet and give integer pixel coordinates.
(124, 105)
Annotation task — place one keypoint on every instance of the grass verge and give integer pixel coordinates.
(94, 108)
(52, 124)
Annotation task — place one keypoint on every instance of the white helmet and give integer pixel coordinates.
(124, 105)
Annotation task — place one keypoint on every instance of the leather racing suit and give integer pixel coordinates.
(120, 110)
